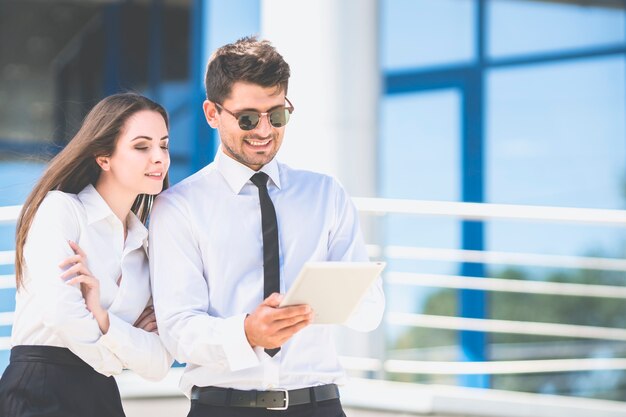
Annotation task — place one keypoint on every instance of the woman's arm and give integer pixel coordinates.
(62, 306)
(138, 346)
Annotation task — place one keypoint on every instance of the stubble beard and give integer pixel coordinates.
(245, 160)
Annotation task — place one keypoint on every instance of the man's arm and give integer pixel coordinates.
(346, 244)
(181, 295)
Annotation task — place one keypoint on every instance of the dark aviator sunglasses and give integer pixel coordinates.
(248, 120)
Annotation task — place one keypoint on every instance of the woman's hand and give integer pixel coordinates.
(89, 285)
(147, 321)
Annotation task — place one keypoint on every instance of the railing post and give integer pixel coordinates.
(473, 303)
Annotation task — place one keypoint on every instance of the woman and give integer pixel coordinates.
(82, 304)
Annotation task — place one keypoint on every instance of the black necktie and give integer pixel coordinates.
(271, 271)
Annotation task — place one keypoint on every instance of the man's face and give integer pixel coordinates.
(253, 148)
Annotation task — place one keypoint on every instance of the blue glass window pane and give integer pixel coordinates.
(521, 27)
(419, 33)
(555, 136)
(419, 159)
(420, 145)
(17, 179)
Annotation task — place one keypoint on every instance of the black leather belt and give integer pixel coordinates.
(46, 354)
(272, 400)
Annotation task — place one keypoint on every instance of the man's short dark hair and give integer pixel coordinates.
(249, 60)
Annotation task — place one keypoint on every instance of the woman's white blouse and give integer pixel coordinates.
(50, 312)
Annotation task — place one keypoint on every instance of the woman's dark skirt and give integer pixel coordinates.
(49, 381)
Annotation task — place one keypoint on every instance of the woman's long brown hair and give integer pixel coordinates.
(75, 166)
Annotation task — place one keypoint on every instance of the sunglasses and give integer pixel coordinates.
(248, 120)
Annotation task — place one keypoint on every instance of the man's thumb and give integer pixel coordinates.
(273, 300)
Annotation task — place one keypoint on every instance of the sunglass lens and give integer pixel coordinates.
(279, 118)
(248, 121)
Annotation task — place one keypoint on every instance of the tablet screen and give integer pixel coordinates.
(332, 289)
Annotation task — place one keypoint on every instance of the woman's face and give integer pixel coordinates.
(141, 158)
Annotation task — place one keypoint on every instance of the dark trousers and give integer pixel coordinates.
(48, 381)
(330, 408)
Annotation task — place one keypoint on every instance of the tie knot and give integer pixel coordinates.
(259, 179)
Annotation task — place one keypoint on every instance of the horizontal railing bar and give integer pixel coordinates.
(8, 214)
(504, 367)
(469, 211)
(506, 326)
(487, 211)
(360, 363)
(459, 255)
(7, 282)
(505, 285)
(506, 258)
(5, 343)
(7, 257)
(6, 318)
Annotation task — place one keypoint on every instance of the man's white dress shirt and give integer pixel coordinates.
(206, 259)
(50, 312)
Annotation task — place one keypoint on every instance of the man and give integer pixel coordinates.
(219, 261)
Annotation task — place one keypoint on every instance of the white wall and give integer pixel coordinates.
(331, 47)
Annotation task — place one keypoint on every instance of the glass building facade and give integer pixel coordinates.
(487, 101)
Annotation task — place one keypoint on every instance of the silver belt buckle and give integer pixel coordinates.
(286, 405)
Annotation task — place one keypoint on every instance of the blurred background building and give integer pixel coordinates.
(421, 108)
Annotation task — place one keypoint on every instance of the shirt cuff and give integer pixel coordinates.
(114, 339)
(237, 349)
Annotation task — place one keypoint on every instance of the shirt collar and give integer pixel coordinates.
(97, 209)
(95, 206)
(137, 231)
(237, 174)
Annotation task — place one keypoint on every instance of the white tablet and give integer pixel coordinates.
(332, 289)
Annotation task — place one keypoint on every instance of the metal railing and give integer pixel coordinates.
(486, 212)
(470, 211)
